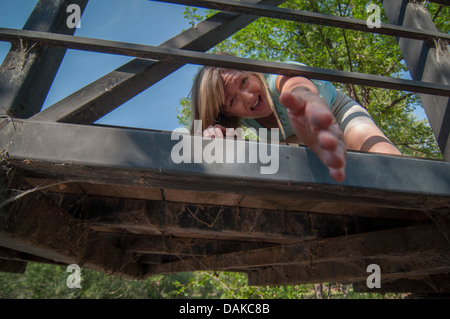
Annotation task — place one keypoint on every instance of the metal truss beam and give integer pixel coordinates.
(425, 63)
(312, 18)
(28, 70)
(100, 97)
(185, 56)
(144, 157)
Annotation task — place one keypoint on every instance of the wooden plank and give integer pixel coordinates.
(184, 246)
(330, 207)
(346, 273)
(54, 185)
(13, 266)
(430, 284)
(227, 199)
(266, 202)
(14, 255)
(36, 225)
(120, 191)
(104, 155)
(208, 222)
(400, 242)
(208, 198)
(214, 221)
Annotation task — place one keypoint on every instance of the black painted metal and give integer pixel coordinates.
(185, 56)
(313, 18)
(28, 70)
(150, 158)
(95, 100)
(425, 63)
(137, 157)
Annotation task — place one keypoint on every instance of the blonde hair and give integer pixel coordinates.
(208, 99)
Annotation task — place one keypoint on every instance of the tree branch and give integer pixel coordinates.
(441, 6)
(354, 95)
(395, 102)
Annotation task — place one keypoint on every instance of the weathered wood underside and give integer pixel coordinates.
(136, 225)
(111, 199)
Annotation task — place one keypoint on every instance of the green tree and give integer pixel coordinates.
(46, 281)
(339, 49)
(269, 39)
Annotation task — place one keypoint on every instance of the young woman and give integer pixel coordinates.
(308, 112)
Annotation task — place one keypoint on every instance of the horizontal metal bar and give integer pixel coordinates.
(138, 157)
(312, 17)
(193, 57)
(103, 95)
(27, 72)
(425, 63)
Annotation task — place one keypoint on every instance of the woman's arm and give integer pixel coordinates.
(366, 137)
(313, 122)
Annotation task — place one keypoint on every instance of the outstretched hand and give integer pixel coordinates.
(316, 127)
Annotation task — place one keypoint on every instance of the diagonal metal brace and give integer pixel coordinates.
(100, 97)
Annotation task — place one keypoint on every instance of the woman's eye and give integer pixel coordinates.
(231, 102)
(244, 80)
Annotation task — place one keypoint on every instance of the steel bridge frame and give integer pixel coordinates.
(390, 205)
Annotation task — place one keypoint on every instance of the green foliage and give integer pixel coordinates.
(235, 286)
(184, 112)
(43, 281)
(277, 40)
(333, 48)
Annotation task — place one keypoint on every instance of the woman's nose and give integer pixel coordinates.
(248, 97)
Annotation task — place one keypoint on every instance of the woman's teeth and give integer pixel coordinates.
(256, 103)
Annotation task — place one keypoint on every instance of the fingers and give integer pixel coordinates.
(334, 151)
(337, 174)
(294, 104)
(217, 131)
(316, 127)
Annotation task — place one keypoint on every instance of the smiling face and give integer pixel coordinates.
(245, 95)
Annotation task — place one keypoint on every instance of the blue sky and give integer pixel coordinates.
(138, 21)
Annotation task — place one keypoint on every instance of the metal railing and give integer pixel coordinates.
(188, 47)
